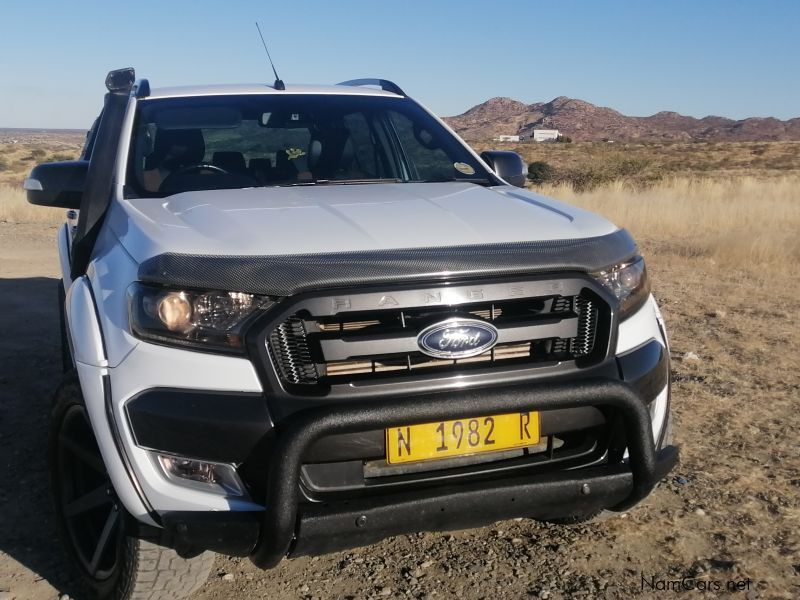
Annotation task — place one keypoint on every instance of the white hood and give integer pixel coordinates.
(340, 218)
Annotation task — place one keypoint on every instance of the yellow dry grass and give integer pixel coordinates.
(14, 208)
(744, 221)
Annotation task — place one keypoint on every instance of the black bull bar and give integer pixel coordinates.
(284, 530)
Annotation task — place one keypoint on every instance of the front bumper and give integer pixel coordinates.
(326, 529)
(290, 527)
(282, 520)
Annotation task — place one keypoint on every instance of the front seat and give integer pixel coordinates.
(232, 162)
(175, 149)
(261, 169)
(331, 155)
(325, 152)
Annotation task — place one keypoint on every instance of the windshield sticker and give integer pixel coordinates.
(294, 153)
(464, 168)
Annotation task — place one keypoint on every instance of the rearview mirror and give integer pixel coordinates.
(508, 166)
(58, 184)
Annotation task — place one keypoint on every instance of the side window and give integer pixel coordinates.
(426, 161)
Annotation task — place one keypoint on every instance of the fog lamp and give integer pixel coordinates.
(216, 477)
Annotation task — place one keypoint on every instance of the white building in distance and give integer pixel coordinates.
(507, 138)
(545, 135)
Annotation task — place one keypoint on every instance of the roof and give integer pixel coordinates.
(261, 88)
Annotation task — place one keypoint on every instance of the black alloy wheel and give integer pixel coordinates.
(86, 501)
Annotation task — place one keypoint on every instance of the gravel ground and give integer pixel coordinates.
(730, 512)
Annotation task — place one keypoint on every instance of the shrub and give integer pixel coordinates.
(59, 156)
(539, 172)
(601, 171)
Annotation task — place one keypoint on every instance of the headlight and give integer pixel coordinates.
(208, 319)
(628, 282)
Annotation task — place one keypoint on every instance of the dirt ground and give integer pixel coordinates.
(730, 512)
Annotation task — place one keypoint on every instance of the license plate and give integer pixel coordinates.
(445, 439)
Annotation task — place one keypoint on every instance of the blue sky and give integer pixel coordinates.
(731, 58)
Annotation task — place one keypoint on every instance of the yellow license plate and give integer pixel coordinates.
(444, 439)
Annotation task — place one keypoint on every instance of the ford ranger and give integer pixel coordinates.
(299, 319)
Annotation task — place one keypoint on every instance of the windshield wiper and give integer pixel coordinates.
(476, 180)
(359, 181)
(336, 182)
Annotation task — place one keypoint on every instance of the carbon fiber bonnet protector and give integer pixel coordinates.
(285, 275)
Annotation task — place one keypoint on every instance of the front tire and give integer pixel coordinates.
(94, 527)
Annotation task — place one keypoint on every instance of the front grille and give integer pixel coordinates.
(364, 345)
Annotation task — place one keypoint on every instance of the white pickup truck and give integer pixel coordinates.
(302, 319)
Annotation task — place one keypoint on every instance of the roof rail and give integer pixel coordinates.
(384, 84)
(141, 89)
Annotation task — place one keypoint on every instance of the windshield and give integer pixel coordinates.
(239, 141)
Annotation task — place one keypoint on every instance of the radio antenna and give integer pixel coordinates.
(278, 85)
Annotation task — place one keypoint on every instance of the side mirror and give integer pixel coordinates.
(508, 166)
(58, 184)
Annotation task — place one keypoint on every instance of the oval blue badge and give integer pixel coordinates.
(457, 338)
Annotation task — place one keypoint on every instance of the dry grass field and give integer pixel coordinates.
(721, 241)
(14, 208)
(21, 150)
(740, 223)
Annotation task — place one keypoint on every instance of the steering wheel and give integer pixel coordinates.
(199, 167)
(173, 180)
(176, 175)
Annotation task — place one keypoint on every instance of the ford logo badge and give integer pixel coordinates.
(457, 338)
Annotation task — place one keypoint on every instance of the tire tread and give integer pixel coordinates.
(148, 570)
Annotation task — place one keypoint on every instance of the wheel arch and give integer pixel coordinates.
(91, 364)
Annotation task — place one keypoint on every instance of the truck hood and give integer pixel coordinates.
(344, 218)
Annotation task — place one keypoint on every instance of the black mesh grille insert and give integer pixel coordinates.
(288, 345)
(583, 343)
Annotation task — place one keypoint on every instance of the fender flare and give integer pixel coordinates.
(86, 337)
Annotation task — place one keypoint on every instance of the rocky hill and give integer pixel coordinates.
(583, 121)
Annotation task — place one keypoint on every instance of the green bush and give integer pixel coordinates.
(539, 172)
